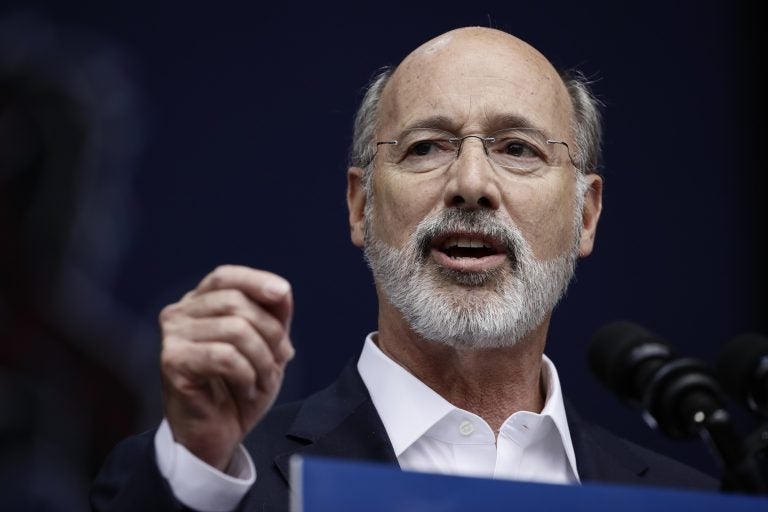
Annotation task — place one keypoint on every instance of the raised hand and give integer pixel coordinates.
(225, 347)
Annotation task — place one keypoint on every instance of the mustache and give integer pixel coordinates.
(482, 222)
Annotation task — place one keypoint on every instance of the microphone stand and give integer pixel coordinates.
(749, 473)
(684, 398)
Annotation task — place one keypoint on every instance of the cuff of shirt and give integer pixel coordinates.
(197, 484)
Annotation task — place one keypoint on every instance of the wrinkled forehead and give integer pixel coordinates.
(476, 83)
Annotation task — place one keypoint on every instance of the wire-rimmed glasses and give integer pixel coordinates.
(521, 150)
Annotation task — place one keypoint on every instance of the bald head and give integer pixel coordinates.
(473, 42)
(460, 74)
(479, 80)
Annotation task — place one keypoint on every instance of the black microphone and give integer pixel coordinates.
(742, 367)
(680, 396)
(677, 395)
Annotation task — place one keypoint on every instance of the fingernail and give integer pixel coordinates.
(276, 289)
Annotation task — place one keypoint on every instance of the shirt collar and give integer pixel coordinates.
(398, 395)
(554, 407)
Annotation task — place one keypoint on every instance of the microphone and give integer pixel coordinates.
(678, 395)
(742, 367)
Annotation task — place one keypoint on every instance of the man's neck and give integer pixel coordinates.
(492, 383)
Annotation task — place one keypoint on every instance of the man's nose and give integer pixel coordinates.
(473, 181)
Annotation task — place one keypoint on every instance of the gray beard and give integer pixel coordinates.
(495, 308)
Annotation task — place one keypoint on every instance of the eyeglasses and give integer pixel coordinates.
(521, 150)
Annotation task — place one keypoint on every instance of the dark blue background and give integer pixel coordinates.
(247, 119)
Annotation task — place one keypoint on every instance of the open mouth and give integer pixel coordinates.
(469, 252)
(467, 245)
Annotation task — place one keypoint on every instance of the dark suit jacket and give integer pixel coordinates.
(341, 421)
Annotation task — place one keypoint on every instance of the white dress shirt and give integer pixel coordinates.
(427, 433)
(430, 434)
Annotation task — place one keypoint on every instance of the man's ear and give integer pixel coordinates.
(593, 205)
(356, 203)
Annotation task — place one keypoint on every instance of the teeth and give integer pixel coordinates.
(466, 242)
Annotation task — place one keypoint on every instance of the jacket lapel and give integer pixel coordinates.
(340, 422)
(600, 456)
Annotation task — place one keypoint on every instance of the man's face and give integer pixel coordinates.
(529, 227)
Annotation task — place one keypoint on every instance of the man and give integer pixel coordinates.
(473, 189)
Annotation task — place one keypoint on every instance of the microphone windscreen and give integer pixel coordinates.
(618, 346)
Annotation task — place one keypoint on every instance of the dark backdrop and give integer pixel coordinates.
(247, 117)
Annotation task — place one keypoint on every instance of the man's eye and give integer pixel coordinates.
(423, 148)
(519, 150)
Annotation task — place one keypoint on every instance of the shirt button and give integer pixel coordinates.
(466, 428)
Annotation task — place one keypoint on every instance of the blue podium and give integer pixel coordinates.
(326, 485)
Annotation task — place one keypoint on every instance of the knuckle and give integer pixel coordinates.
(168, 312)
(280, 332)
(248, 376)
(216, 277)
(268, 326)
(215, 280)
(286, 350)
(221, 270)
(228, 308)
(169, 357)
(274, 332)
(178, 385)
(239, 327)
(223, 356)
(231, 302)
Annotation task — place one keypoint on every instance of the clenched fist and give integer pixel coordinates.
(225, 347)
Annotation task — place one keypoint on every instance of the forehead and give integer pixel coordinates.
(476, 83)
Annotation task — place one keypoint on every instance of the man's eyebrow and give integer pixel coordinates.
(500, 121)
(436, 122)
(492, 123)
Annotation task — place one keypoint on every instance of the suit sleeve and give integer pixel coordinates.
(130, 480)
